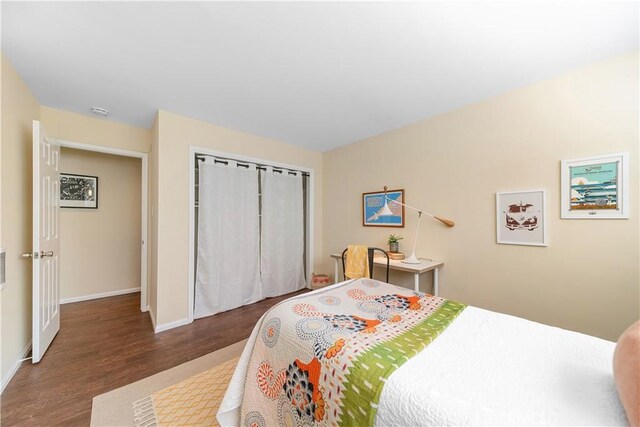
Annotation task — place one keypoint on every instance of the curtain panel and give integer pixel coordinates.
(282, 239)
(228, 258)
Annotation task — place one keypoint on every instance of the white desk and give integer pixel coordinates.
(416, 269)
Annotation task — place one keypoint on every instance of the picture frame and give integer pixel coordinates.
(373, 202)
(521, 218)
(595, 187)
(78, 191)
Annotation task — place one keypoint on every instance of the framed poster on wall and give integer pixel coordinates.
(374, 214)
(595, 187)
(521, 218)
(78, 191)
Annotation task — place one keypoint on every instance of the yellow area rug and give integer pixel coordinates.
(194, 401)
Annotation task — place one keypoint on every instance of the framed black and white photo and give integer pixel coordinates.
(595, 187)
(78, 191)
(521, 218)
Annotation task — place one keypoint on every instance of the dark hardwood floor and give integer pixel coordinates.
(108, 343)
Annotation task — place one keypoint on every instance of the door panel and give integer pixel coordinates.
(46, 241)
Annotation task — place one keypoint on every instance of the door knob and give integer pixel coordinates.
(37, 255)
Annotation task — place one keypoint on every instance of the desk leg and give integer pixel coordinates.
(335, 271)
(435, 281)
(416, 282)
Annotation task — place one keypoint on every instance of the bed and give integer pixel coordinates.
(363, 352)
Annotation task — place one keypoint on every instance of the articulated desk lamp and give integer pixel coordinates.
(385, 211)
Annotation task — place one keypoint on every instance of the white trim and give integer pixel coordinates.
(153, 318)
(311, 200)
(100, 295)
(144, 303)
(193, 150)
(170, 325)
(14, 368)
(192, 237)
(144, 264)
(101, 149)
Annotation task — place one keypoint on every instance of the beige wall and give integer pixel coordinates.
(19, 109)
(176, 133)
(100, 248)
(75, 127)
(452, 165)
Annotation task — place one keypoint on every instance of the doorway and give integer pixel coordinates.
(114, 222)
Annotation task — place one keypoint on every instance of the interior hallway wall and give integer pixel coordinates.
(100, 248)
(76, 127)
(19, 109)
(452, 165)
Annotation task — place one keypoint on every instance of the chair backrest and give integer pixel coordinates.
(370, 255)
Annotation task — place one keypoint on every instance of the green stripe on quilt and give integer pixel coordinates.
(367, 375)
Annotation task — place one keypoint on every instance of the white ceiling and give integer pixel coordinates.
(318, 75)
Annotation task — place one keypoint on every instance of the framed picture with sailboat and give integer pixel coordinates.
(377, 211)
(595, 187)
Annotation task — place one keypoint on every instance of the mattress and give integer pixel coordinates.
(488, 368)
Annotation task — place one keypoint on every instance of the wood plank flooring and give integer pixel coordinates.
(108, 343)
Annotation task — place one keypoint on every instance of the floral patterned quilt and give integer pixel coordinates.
(323, 358)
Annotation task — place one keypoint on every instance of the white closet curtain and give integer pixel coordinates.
(282, 250)
(228, 270)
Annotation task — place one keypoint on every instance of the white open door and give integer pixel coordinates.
(46, 241)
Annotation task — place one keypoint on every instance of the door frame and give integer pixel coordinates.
(144, 284)
(193, 151)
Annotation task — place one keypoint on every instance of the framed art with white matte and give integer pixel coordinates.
(521, 218)
(595, 187)
(78, 191)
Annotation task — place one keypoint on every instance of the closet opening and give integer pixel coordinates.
(250, 230)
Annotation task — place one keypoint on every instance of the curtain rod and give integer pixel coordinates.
(243, 164)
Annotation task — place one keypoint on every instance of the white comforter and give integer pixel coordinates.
(488, 368)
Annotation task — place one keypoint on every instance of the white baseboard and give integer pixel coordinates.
(170, 325)
(100, 295)
(16, 365)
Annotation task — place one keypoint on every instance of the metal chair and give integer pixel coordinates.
(370, 253)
